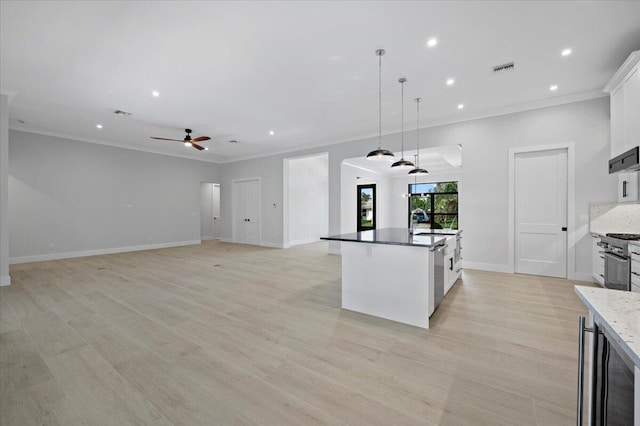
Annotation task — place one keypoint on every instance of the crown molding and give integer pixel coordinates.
(624, 69)
(100, 142)
(511, 109)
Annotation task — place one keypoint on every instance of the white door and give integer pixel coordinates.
(216, 210)
(541, 213)
(246, 212)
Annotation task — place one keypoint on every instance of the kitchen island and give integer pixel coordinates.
(392, 274)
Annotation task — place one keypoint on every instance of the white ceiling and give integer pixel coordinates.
(307, 70)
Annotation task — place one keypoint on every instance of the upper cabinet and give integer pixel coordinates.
(624, 88)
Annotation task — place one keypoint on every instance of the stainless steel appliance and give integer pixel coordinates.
(612, 380)
(617, 261)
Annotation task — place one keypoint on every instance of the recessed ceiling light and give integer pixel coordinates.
(271, 132)
(450, 82)
(566, 52)
(99, 126)
(553, 88)
(233, 141)
(155, 93)
(432, 42)
(460, 106)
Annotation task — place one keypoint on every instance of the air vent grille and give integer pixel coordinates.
(504, 67)
(120, 112)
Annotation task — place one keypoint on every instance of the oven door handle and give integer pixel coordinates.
(616, 257)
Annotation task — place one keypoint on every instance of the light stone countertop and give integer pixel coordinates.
(619, 313)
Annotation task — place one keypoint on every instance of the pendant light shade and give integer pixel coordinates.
(380, 154)
(418, 171)
(402, 163)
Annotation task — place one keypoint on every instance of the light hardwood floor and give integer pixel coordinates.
(231, 334)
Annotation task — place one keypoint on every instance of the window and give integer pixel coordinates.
(366, 207)
(435, 205)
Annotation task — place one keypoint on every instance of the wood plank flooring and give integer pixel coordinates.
(223, 334)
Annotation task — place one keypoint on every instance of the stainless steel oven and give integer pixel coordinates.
(617, 261)
(617, 271)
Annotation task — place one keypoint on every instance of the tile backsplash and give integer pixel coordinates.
(612, 217)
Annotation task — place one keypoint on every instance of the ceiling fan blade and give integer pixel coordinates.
(166, 139)
(196, 146)
(200, 139)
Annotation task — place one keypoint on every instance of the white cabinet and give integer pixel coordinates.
(624, 88)
(597, 260)
(634, 250)
(246, 211)
(452, 263)
(628, 186)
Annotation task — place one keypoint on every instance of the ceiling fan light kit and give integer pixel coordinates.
(188, 141)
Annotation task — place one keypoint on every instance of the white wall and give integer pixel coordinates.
(69, 197)
(484, 196)
(4, 191)
(400, 185)
(352, 177)
(308, 198)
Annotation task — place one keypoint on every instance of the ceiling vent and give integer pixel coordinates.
(504, 67)
(120, 112)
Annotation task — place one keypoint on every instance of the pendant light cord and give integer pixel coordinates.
(418, 131)
(402, 117)
(380, 53)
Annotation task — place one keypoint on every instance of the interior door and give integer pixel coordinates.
(253, 212)
(541, 213)
(246, 212)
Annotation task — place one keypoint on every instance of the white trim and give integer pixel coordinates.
(273, 245)
(208, 238)
(225, 240)
(97, 252)
(584, 276)
(571, 202)
(622, 72)
(492, 267)
(347, 163)
(5, 281)
(101, 142)
(304, 241)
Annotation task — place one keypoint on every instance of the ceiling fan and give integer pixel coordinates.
(188, 141)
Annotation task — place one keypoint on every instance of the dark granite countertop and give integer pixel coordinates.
(397, 236)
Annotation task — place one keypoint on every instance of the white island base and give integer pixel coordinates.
(388, 281)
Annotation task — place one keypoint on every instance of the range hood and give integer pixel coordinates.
(628, 161)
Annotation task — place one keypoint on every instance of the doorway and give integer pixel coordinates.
(540, 184)
(366, 206)
(246, 202)
(209, 211)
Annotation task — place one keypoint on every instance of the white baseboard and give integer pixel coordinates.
(584, 276)
(304, 241)
(487, 267)
(274, 245)
(225, 240)
(72, 254)
(5, 281)
(207, 238)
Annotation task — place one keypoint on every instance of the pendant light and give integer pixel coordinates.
(380, 154)
(402, 163)
(418, 171)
